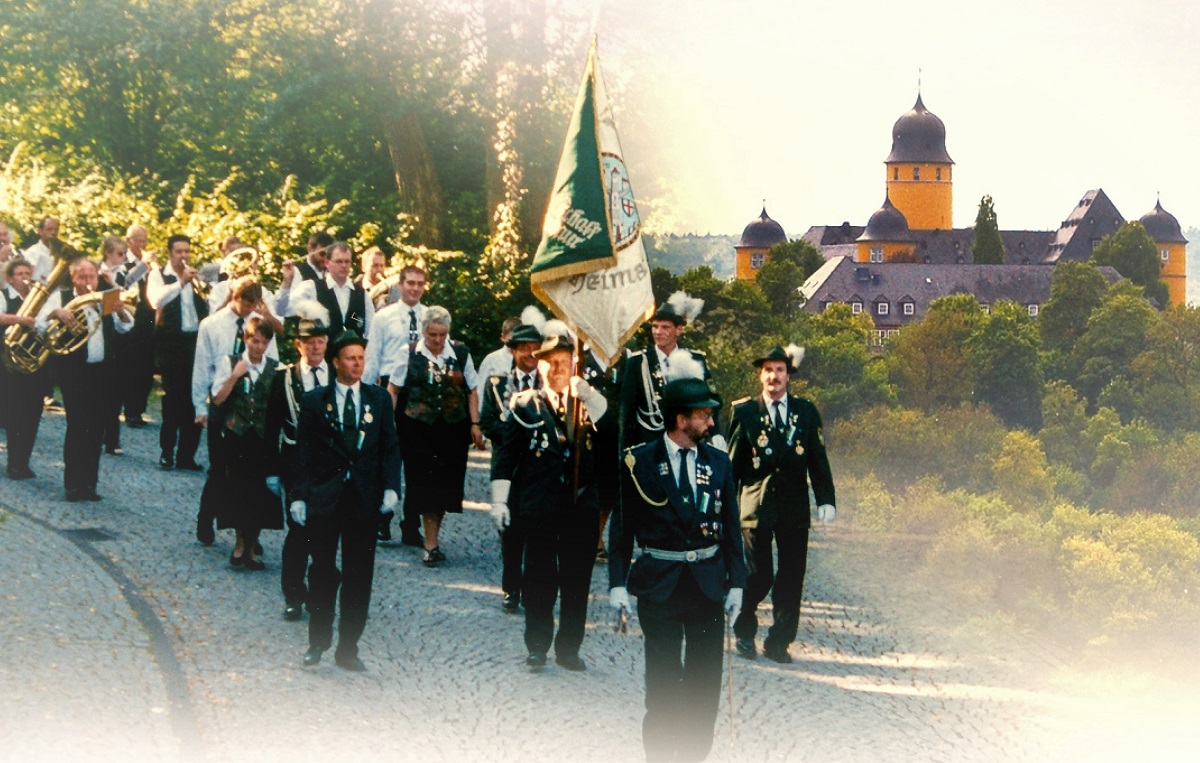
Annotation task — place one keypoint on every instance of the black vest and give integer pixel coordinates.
(12, 304)
(432, 391)
(355, 318)
(169, 320)
(80, 356)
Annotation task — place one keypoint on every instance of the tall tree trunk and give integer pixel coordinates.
(416, 178)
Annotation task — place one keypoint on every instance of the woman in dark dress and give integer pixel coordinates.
(439, 422)
(242, 390)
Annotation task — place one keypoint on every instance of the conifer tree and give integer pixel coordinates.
(988, 248)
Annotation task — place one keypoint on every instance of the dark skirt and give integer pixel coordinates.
(237, 486)
(435, 465)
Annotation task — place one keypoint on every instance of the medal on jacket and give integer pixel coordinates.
(762, 438)
(799, 449)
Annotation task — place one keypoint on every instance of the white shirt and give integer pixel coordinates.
(214, 341)
(355, 391)
(496, 363)
(673, 455)
(400, 369)
(783, 406)
(390, 334)
(225, 370)
(663, 363)
(159, 293)
(308, 290)
(95, 343)
(220, 295)
(39, 257)
(306, 374)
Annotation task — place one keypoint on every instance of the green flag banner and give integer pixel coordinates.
(590, 269)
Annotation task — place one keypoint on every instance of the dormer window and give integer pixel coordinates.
(1033, 311)
(881, 308)
(856, 307)
(909, 308)
(877, 254)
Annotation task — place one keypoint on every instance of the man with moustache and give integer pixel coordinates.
(86, 377)
(171, 291)
(347, 474)
(777, 447)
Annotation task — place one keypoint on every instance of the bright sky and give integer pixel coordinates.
(722, 104)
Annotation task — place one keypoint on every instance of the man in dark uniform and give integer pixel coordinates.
(87, 378)
(777, 447)
(347, 474)
(608, 382)
(523, 341)
(642, 381)
(677, 502)
(557, 504)
(306, 374)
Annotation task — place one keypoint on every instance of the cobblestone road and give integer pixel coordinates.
(124, 639)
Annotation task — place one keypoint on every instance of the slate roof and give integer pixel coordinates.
(1162, 226)
(762, 232)
(919, 136)
(843, 280)
(1093, 218)
(822, 236)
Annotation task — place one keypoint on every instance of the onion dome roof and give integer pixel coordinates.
(919, 137)
(1162, 226)
(887, 224)
(762, 232)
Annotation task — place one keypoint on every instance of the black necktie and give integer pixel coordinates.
(238, 345)
(685, 484)
(316, 379)
(779, 416)
(412, 325)
(350, 421)
(524, 383)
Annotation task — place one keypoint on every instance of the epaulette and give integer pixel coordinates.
(630, 460)
(701, 353)
(635, 353)
(741, 400)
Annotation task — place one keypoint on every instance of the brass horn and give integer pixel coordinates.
(63, 338)
(25, 351)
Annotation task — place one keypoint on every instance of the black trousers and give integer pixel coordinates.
(683, 693)
(294, 564)
(785, 586)
(512, 555)
(21, 413)
(87, 392)
(357, 537)
(179, 427)
(560, 553)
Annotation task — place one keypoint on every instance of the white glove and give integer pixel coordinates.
(590, 397)
(500, 513)
(299, 512)
(618, 599)
(275, 485)
(718, 442)
(733, 603)
(390, 501)
(826, 513)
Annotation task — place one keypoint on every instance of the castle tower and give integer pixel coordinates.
(887, 235)
(920, 171)
(1172, 250)
(751, 251)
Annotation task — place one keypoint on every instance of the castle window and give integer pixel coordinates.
(877, 254)
(757, 259)
(895, 173)
(916, 173)
(987, 309)
(939, 173)
(910, 308)
(1164, 254)
(1033, 311)
(882, 308)
(856, 307)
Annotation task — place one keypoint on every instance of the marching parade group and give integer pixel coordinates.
(624, 465)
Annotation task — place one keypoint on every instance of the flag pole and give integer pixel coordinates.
(576, 417)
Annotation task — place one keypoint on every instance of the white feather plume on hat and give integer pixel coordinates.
(796, 353)
(685, 305)
(311, 310)
(555, 328)
(681, 364)
(531, 316)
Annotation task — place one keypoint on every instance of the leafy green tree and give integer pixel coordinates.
(1166, 376)
(988, 248)
(1021, 473)
(1075, 291)
(929, 362)
(838, 369)
(1115, 335)
(1134, 255)
(1006, 365)
(780, 282)
(799, 252)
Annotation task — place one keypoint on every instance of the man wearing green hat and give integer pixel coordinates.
(777, 447)
(678, 503)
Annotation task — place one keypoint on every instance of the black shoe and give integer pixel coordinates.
(255, 565)
(572, 662)
(21, 474)
(237, 561)
(191, 466)
(51, 404)
(385, 532)
(512, 602)
(312, 656)
(91, 495)
(412, 538)
(204, 531)
(777, 653)
(433, 557)
(166, 463)
(353, 664)
(536, 660)
(293, 612)
(138, 423)
(258, 548)
(75, 496)
(601, 556)
(746, 648)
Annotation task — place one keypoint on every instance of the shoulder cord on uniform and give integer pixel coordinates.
(629, 462)
(293, 408)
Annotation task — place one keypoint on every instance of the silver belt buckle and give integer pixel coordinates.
(690, 556)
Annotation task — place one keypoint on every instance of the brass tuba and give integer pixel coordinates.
(24, 350)
(64, 338)
(381, 291)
